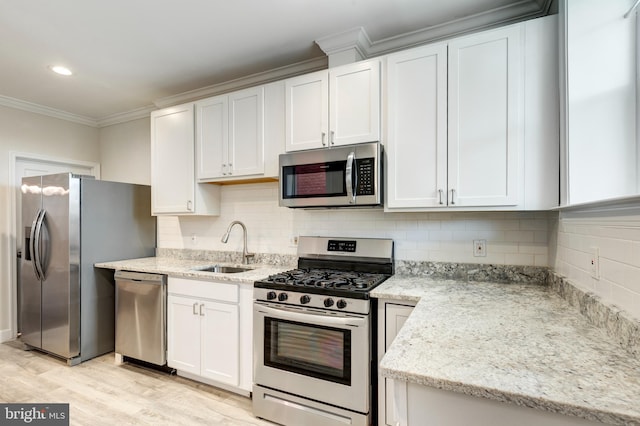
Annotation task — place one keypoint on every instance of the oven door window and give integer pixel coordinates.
(314, 180)
(307, 349)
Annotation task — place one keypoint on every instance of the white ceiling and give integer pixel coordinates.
(130, 55)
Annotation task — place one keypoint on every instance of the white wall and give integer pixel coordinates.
(125, 152)
(617, 236)
(25, 132)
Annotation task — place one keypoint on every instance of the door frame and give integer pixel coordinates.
(14, 159)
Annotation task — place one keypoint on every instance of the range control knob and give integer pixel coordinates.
(328, 302)
(282, 297)
(341, 304)
(304, 299)
(271, 295)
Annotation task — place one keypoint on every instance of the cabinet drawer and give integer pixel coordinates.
(224, 292)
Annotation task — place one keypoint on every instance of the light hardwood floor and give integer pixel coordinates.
(99, 392)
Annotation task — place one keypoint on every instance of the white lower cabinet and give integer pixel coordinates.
(209, 332)
(410, 404)
(426, 406)
(391, 317)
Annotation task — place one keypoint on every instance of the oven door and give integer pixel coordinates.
(313, 354)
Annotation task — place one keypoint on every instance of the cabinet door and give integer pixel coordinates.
(485, 123)
(307, 111)
(172, 165)
(395, 317)
(416, 144)
(183, 334)
(220, 342)
(212, 127)
(354, 103)
(246, 132)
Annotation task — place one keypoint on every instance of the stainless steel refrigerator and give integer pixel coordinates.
(70, 222)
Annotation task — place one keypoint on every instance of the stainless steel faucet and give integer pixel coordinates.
(225, 238)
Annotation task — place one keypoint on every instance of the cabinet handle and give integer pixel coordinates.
(323, 142)
(189, 205)
(453, 193)
(332, 137)
(440, 196)
(201, 313)
(223, 172)
(194, 308)
(230, 168)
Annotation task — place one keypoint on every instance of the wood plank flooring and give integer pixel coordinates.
(99, 392)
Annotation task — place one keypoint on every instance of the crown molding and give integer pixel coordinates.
(123, 117)
(48, 111)
(355, 38)
(358, 40)
(264, 77)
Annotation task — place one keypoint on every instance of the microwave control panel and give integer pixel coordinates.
(366, 176)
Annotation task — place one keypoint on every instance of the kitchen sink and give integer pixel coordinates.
(223, 269)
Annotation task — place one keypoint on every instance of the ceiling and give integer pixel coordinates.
(130, 57)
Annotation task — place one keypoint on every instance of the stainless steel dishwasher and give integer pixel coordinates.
(141, 316)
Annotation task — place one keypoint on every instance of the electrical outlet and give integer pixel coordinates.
(479, 248)
(595, 262)
(293, 241)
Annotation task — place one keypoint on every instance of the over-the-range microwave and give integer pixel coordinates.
(344, 176)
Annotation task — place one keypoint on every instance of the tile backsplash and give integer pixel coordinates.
(512, 238)
(616, 236)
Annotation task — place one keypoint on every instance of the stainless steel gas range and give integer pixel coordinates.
(314, 338)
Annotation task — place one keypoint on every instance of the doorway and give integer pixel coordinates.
(24, 165)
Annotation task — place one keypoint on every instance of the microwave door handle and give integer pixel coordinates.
(348, 178)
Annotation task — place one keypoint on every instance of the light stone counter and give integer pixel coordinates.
(188, 268)
(517, 343)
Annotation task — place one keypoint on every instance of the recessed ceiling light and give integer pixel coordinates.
(58, 69)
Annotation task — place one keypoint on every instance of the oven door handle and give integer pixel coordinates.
(305, 316)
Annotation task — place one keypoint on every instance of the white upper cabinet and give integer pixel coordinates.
(354, 103)
(456, 131)
(230, 135)
(240, 135)
(416, 144)
(173, 187)
(485, 112)
(600, 105)
(340, 106)
(307, 111)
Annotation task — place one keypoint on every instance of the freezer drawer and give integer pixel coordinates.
(141, 316)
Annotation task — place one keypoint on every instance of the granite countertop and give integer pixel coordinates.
(188, 268)
(517, 343)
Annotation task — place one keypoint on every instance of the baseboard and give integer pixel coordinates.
(6, 335)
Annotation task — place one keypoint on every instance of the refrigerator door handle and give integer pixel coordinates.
(32, 247)
(37, 244)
